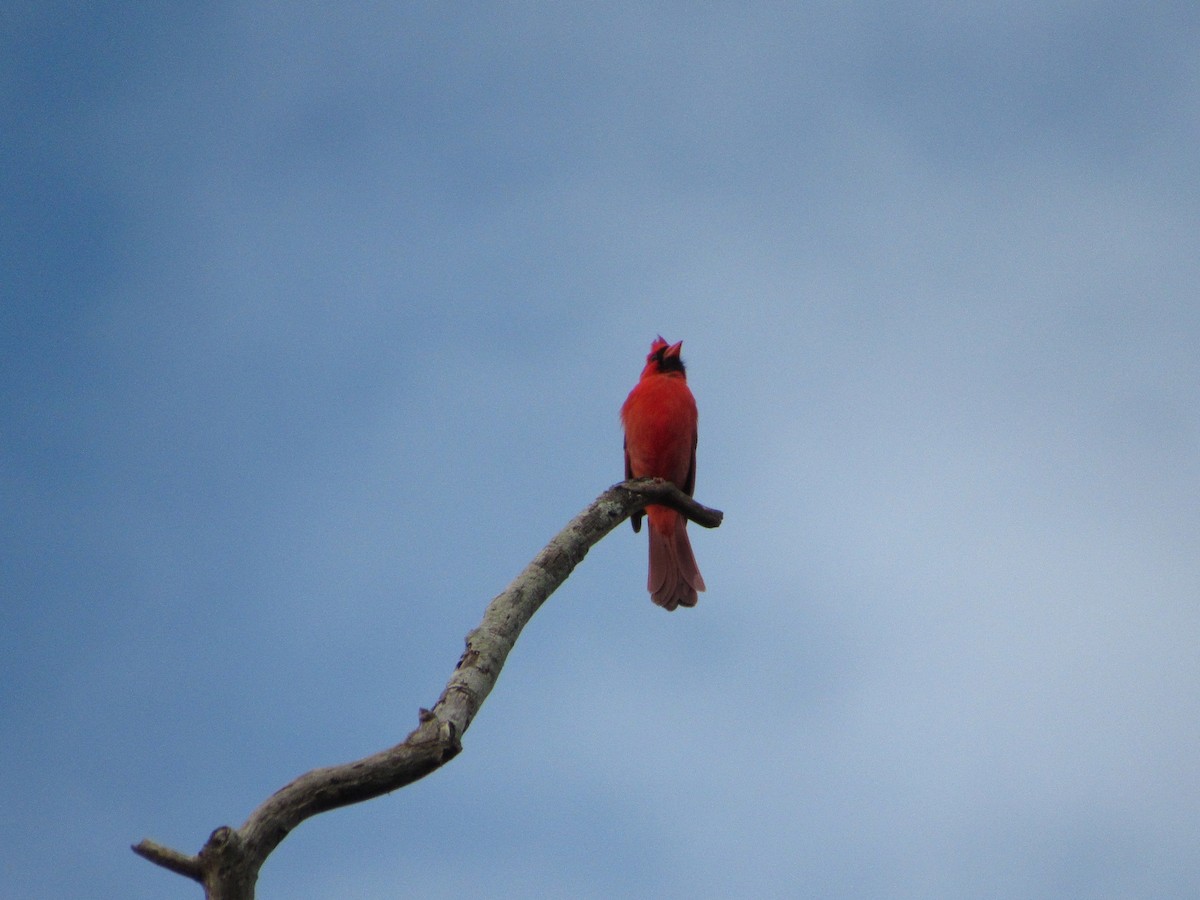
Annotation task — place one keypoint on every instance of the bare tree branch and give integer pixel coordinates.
(229, 863)
(188, 866)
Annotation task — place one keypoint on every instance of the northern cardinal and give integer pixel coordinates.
(660, 441)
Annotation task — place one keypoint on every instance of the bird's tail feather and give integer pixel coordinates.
(674, 576)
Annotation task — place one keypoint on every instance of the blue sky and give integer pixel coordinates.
(314, 324)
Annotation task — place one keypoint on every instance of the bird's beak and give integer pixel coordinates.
(674, 349)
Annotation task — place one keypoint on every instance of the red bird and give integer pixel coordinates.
(660, 441)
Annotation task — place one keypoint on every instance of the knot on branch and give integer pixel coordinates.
(451, 744)
(438, 732)
(224, 849)
(219, 840)
(229, 866)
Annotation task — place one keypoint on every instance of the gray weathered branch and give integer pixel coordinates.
(229, 862)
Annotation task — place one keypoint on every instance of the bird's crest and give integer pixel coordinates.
(664, 357)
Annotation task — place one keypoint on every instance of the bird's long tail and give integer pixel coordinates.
(674, 576)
